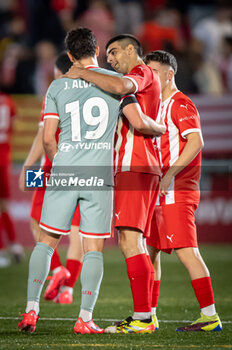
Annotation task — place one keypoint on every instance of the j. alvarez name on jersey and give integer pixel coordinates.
(77, 84)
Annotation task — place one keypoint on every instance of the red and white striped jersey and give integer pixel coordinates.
(7, 113)
(181, 118)
(134, 151)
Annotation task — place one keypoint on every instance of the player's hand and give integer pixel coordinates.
(162, 127)
(164, 184)
(74, 72)
(22, 180)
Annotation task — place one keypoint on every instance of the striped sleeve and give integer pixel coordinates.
(51, 115)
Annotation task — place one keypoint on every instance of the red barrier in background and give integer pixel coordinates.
(214, 215)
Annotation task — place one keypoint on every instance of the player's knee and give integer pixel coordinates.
(154, 255)
(189, 256)
(49, 238)
(123, 244)
(35, 229)
(128, 248)
(92, 244)
(184, 255)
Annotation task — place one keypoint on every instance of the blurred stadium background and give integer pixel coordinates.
(198, 33)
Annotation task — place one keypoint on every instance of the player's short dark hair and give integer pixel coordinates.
(81, 43)
(163, 57)
(125, 40)
(63, 62)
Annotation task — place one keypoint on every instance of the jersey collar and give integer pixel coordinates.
(91, 66)
(169, 98)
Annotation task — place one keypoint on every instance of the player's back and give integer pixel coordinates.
(87, 120)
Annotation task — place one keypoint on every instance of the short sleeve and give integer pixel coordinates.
(141, 76)
(50, 108)
(41, 122)
(186, 117)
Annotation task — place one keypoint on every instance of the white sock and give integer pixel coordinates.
(85, 315)
(66, 288)
(57, 269)
(141, 315)
(153, 310)
(209, 310)
(32, 305)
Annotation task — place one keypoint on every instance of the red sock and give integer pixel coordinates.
(203, 291)
(155, 293)
(152, 277)
(9, 227)
(55, 262)
(74, 267)
(138, 271)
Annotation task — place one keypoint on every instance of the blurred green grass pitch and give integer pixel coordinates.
(177, 302)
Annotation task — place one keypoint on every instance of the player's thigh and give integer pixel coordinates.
(58, 210)
(96, 209)
(37, 204)
(35, 229)
(179, 220)
(173, 226)
(157, 229)
(75, 250)
(134, 196)
(76, 217)
(152, 199)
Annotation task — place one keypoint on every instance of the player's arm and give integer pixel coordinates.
(140, 121)
(35, 153)
(193, 146)
(109, 83)
(49, 137)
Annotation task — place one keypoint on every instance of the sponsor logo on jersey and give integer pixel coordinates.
(186, 118)
(34, 178)
(184, 106)
(67, 147)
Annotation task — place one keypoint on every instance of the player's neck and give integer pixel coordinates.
(135, 62)
(169, 90)
(89, 61)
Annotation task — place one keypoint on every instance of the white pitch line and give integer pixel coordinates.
(98, 319)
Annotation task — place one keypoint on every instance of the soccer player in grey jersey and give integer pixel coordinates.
(87, 118)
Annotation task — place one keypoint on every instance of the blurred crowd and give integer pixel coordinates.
(198, 33)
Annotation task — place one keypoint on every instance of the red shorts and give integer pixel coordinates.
(173, 226)
(135, 199)
(36, 208)
(4, 181)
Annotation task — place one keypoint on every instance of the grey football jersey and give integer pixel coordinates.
(87, 121)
